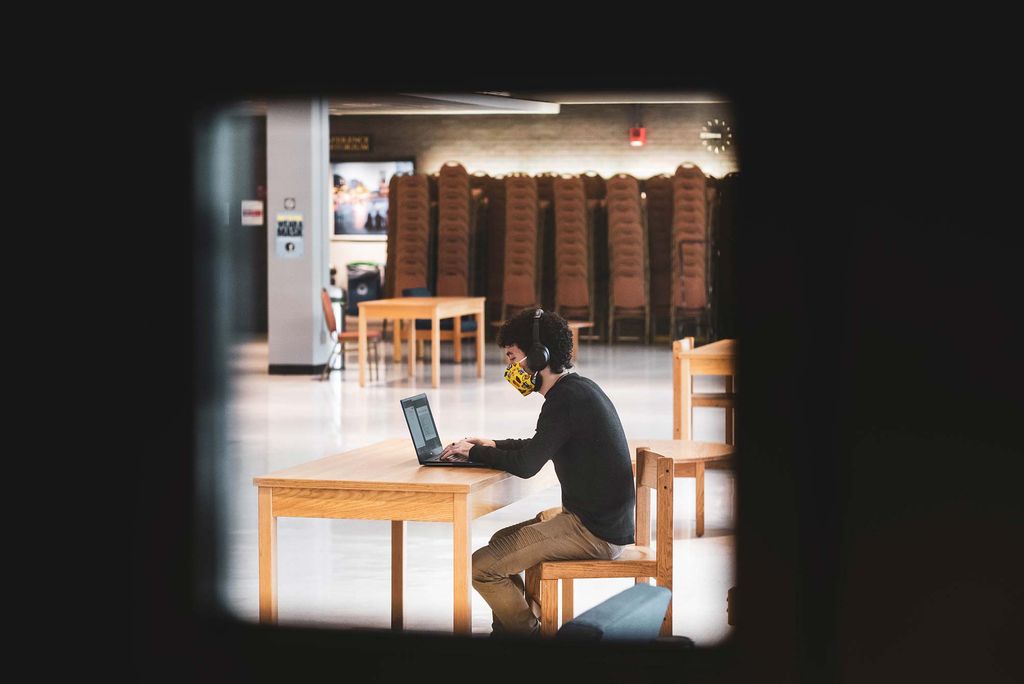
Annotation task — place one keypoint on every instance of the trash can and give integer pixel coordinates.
(363, 284)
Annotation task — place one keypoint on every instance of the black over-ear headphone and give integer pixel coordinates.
(538, 356)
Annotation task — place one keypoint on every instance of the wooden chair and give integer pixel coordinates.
(340, 337)
(637, 560)
(682, 426)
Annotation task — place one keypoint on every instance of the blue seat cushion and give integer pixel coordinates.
(468, 324)
(633, 614)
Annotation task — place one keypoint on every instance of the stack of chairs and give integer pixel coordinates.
(574, 284)
(723, 235)
(454, 254)
(690, 300)
(389, 268)
(627, 252)
(546, 206)
(495, 212)
(478, 183)
(454, 231)
(522, 254)
(595, 188)
(412, 233)
(659, 236)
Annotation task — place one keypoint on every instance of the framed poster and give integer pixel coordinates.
(359, 197)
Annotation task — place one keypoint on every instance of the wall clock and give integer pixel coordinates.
(716, 136)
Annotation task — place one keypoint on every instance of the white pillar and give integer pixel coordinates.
(298, 194)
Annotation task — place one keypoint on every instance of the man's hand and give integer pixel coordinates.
(457, 451)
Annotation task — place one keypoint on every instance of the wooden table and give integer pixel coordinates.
(717, 358)
(433, 308)
(689, 459)
(384, 481)
(575, 326)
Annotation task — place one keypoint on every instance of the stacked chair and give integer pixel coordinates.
(522, 253)
(412, 233)
(659, 236)
(546, 219)
(478, 183)
(627, 256)
(574, 284)
(455, 216)
(690, 300)
(495, 219)
(724, 238)
(595, 188)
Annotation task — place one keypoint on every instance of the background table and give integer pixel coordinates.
(433, 308)
(384, 481)
(689, 459)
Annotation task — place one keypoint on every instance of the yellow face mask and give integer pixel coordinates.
(520, 379)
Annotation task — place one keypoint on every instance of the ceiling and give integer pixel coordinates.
(490, 102)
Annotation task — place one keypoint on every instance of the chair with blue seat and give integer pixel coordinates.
(639, 561)
(424, 332)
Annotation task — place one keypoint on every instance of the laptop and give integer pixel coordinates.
(424, 434)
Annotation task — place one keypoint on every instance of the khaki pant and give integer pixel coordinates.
(555, 534)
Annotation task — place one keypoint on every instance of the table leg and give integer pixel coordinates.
(480, 343)
(435, 350)
(397, 574)
(396, 342)
(677, 391)
(462, 559)
(699, 472)
(575, 341)
(457, 339)
(412, 347)
(362, 348)
(267, 557)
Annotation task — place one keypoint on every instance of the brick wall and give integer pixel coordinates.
(580, 138)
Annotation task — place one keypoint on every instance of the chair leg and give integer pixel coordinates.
(376, 360)
(567, 601)
(329, 366)
(666, 624)
(548, 607)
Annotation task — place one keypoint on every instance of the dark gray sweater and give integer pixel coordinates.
(580, 431)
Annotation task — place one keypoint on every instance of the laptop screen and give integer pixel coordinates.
(421, 423)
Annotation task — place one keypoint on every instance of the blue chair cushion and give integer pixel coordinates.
(468, 324)
(633, 614)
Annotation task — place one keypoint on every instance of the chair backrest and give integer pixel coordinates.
(655, 472)
(329, 319)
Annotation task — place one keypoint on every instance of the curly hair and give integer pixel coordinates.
(554, 334)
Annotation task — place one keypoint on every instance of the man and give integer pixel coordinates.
(580, 431)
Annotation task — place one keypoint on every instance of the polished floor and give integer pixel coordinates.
(337, 572)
